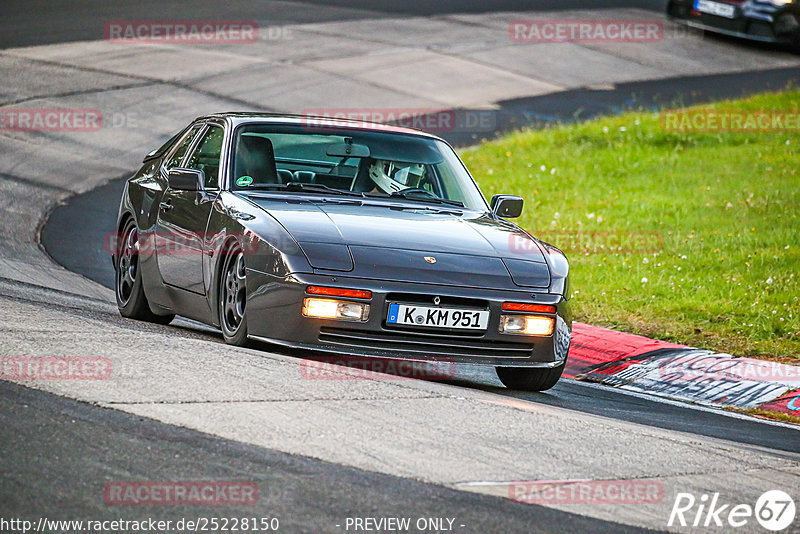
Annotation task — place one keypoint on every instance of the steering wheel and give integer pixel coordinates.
(413, 190)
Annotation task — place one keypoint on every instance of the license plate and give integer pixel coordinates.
(427, 317)
(715, 8)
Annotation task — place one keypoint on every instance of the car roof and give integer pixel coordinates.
(240, 117)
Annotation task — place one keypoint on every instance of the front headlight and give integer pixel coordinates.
(527, 325)
(335, 309)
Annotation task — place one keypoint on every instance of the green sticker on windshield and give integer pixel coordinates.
(244, 181)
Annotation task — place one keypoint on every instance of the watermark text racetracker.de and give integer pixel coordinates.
(426, 119)
(730, 121)
(708, 367)
(65, 120)
(200, 493)
(363, 368)
(169, 243)
(586, 31)
(50, 120)
(556, 492)
(55, 368)
(591, 242)
(191, 32)
(148, 525)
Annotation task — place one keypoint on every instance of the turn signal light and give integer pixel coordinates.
(535, 308)
(338, 292)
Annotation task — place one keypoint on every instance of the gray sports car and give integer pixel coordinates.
(344, 237)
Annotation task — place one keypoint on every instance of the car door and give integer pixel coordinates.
(183, 215)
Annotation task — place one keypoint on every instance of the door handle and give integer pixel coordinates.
(166, 206)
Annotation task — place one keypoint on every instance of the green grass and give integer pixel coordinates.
(726, 274)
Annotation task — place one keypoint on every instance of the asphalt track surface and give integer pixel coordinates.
(58, 452)
(37, 22)
(89, 447)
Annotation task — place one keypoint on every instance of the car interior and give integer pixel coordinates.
(305, 162)
(207, 155)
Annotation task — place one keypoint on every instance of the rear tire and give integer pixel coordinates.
(131, 300)
(529, 378)
(232, 298)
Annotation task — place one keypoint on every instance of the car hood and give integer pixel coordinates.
(392, 243)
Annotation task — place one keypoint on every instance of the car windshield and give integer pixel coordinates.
(343, 161)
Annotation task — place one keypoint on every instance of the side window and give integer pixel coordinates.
(206, 156)
(177, 157)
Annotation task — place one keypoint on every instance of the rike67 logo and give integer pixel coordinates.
(774, 511)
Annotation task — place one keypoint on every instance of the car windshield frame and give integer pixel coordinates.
(435, 154)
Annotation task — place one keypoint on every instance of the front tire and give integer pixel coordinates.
(232, 298)
(131, 300)
(528, 378)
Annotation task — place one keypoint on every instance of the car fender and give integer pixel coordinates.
(559, 269)
(140, 198)
(268, 247)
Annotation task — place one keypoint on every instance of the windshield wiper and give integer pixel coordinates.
(427, 197)
(417, 196)
(304, 188)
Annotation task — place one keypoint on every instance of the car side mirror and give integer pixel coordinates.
(182, 179)
(507, 206)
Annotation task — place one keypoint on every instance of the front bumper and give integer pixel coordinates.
(274, 314)
(755, 20)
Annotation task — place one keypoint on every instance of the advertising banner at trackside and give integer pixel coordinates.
(700, 376)
(788, 403)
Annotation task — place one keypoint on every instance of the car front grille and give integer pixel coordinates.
(423, 343)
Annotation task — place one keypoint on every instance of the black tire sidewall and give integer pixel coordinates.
(239, 337)
(530, 378)
(137, 306)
